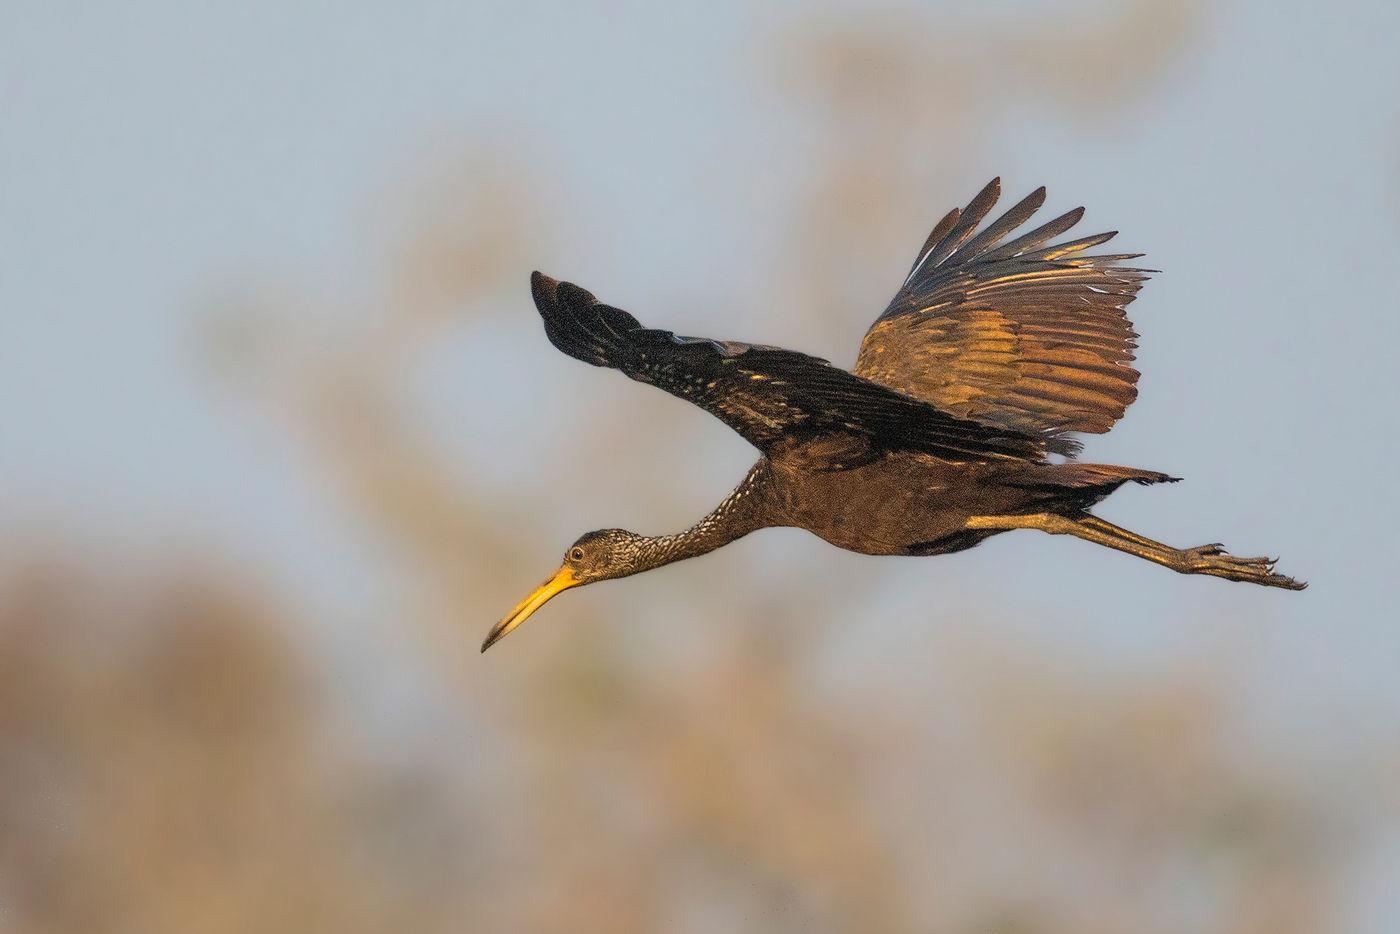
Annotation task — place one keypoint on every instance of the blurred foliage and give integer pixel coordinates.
(171, 757)
(166, 766)
(900, 108)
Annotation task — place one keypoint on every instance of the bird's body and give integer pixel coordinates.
(899, 504)
(906, 503)
(991, 353)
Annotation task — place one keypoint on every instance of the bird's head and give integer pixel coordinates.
(596, 556)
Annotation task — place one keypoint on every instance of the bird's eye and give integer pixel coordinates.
(576, 554)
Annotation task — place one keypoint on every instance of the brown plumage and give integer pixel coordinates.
(1020, 335)
(990, 354)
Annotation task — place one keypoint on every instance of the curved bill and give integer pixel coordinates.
(562, 580)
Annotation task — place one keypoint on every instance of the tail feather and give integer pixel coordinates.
(1098, 480)
(1080, 486)
(1093, 475)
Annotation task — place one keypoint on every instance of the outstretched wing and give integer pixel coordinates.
(772, 397)
(1018, 334)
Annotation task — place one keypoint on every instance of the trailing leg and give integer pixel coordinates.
(1205, 559)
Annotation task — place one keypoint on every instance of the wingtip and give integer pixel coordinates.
(543, 288)
(550, 294)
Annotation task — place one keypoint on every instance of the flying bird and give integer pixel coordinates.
(993, 352)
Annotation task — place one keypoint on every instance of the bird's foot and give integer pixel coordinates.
(1212, 559)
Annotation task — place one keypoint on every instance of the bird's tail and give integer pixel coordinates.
(1095, 475)
(1082, 485)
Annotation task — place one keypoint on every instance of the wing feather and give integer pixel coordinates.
(939, 232)
(999, 228)
(1037, 236)
(1026, 334)
(777, 399)
(966, 224)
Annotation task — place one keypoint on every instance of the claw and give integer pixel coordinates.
(1212, 559)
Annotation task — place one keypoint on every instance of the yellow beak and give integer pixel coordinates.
(562, 580)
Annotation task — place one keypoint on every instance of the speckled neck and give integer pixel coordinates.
(743, 511)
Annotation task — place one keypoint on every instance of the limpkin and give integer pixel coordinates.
(990, 355)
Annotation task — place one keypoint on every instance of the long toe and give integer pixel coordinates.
(1212, 560)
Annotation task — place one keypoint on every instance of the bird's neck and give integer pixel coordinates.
(742, 511)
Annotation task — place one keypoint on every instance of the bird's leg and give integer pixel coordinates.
(1204, 559)
(1108, 527)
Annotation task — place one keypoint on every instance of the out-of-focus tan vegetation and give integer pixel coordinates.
(167, 766)
(172, 759)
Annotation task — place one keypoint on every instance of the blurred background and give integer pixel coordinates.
(283, 438)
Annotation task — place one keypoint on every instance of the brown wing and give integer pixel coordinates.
(1016, 334)
(775, 398)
